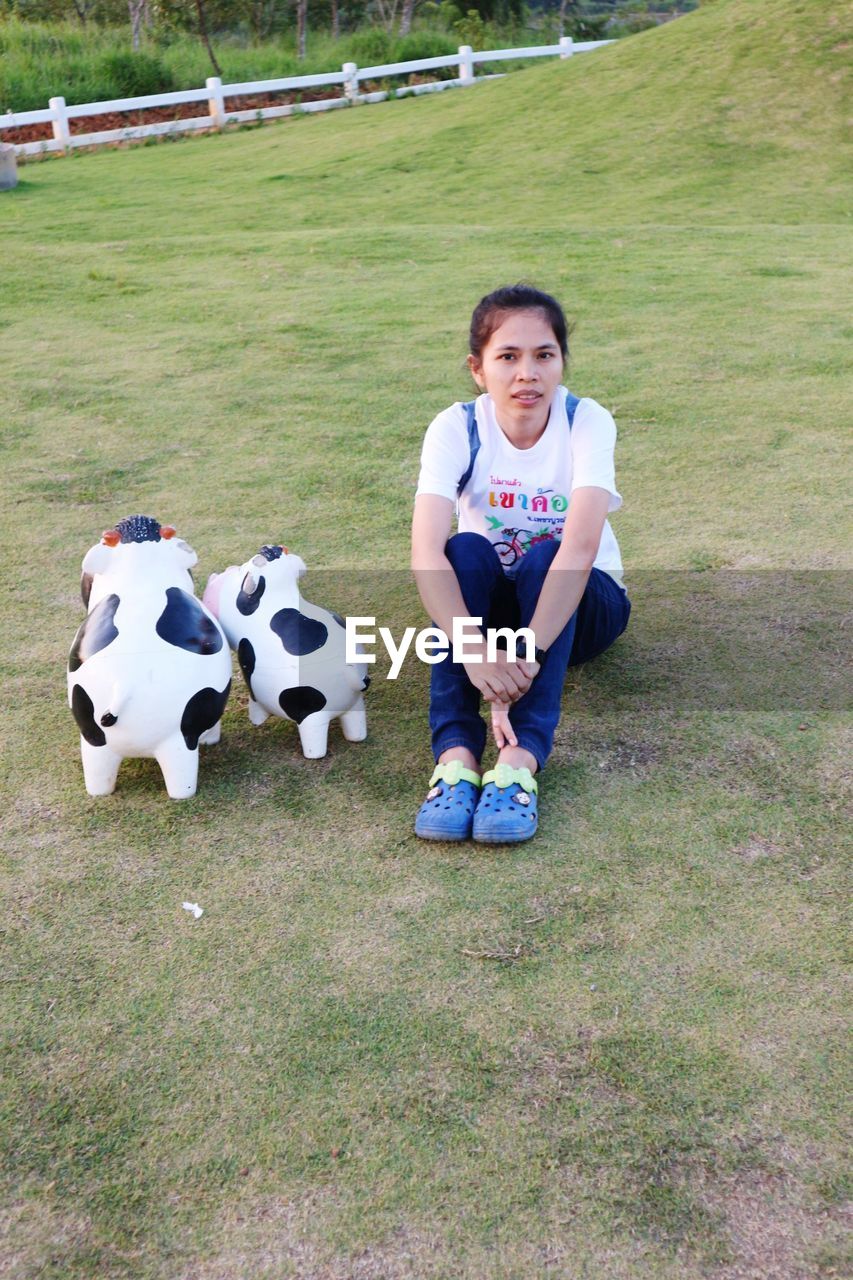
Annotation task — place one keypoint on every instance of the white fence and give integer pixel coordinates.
(214, 94)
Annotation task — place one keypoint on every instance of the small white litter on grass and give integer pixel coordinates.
(197, 911)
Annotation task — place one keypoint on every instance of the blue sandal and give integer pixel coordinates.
(507, 812)
(448, 811)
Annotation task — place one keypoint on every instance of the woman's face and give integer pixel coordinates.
(520, 367)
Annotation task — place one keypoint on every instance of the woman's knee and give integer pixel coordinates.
(539, 558)
(465, 550)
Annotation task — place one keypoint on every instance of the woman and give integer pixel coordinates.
(529, 469)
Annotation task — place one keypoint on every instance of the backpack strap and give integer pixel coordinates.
(473, 442)
(572, 403)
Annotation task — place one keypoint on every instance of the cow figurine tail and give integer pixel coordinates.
(356, 677)
(115, 705)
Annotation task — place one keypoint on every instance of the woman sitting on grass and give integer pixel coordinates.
(529, 469)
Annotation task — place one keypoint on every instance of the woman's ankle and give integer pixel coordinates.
(518, 758)
(466, 757)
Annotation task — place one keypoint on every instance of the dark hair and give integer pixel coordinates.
(490, 313)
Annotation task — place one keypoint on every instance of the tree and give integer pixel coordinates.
(83, 8)
(406, 16)
(388, 11)
(136, 9)
(205, 38)
(301, 27)
(262, 16)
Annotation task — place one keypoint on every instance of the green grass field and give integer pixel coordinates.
(617, 1051)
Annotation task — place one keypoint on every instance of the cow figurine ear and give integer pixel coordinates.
(250, 584)
(97, 559)
(188, 556)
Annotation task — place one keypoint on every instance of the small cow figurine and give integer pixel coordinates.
(149, 670)
(292, 654)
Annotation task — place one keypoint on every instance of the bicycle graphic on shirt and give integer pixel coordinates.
(516, 542)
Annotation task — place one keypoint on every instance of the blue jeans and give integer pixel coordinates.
(601, 616)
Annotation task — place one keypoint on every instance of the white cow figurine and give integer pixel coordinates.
(149, 670)
(292, 654)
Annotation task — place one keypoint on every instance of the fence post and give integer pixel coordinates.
(60, 122)
(215, 101)
(350, 71)
(566, 46)
(466, 65)
(8, 167)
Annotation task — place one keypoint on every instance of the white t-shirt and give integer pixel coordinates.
(516, 497)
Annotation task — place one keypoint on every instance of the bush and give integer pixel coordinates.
(471, 30)
(370, 48)
(588, 26)
(424, 44)
(41, 61)
(132, 75)
(443, 15)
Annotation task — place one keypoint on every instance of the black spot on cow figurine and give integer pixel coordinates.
(292, 653)
(149, 670)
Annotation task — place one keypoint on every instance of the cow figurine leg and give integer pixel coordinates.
(257, 715)
(100, 768)
(179, 767)
(314, 735)
(354, 722)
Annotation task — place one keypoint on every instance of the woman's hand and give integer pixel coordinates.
(501, 681)
(502, 730)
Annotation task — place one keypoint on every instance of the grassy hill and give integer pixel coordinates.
(617, 1051)
(733, 111)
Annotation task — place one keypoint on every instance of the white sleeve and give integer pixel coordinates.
(445, 454)
(593, 441)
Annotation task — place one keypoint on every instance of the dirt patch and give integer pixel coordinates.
(34, 810)
(281, 1238)
(407, 1255)
(757, 849)
(35, 1234)
(30, 824)
(369, 951)
(833, 770)
(609, 754)
(544, 1075)
(773, 1234)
